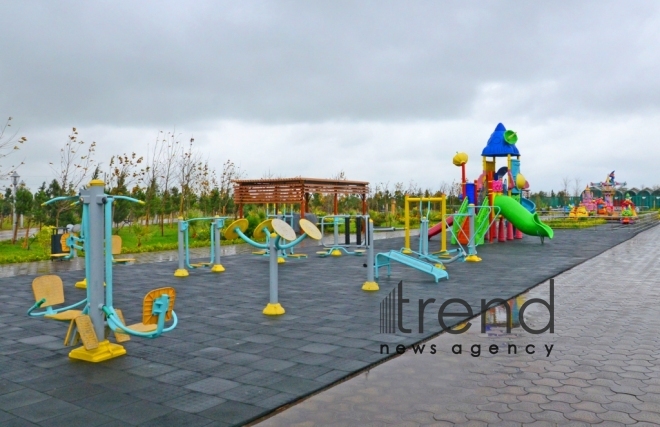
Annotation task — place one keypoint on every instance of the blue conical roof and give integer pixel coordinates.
(497, 146)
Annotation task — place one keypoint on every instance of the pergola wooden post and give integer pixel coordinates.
(295, 191)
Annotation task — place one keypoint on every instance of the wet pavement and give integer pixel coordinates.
(602, 368)
(228, 364)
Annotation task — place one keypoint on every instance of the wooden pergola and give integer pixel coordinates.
(295, 191)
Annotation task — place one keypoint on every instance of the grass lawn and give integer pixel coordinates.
(151, 241)
(568, 223)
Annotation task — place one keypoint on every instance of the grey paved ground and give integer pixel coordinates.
(226, 363)
(603, 368)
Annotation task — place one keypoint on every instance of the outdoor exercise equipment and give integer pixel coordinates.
(49, 291)
(370, 285)
(336, 248)
(99, 311)
(60, 240)
(261, 233)
(217, 223)
(425, 233)
(278, 230)
(116, 250)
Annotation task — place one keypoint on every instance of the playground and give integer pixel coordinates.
(225, 360)
(209, 336)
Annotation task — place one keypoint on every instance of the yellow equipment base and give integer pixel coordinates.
(336, 252)
(370, 286)
(181, 272)
(472, 258)
(105, 351)
(217, 268)
(83, 284)
(274, 309)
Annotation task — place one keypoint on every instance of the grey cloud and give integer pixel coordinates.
(165, 63)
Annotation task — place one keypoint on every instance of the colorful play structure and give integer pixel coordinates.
(510, 215)
(493, 207)
(98, 315)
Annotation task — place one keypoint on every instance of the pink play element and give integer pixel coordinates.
(497, 186)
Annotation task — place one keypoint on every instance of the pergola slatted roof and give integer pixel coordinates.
(294, 190)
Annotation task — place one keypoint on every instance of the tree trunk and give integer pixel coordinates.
(27, 234)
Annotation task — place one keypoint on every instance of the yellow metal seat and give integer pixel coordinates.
(51, 288)
(149, 320)
(116, 250)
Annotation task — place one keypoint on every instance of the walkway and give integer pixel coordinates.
(603, 368)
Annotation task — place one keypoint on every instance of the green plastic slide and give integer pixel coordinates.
(520, 217)
(458, 221)
(482, 223)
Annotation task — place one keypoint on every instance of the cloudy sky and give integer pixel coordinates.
(386, 91)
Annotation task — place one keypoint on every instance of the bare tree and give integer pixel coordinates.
(167, 162)
(190, 172)
(565, 183)
(76, 164)
(126, 168)
(151, 175)
(577, 186)
(9, 143)
(230, 172)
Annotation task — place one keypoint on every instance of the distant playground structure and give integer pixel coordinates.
(609, 199)
(502, 211)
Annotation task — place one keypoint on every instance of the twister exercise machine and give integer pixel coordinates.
(261, 232)
(99, 314)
